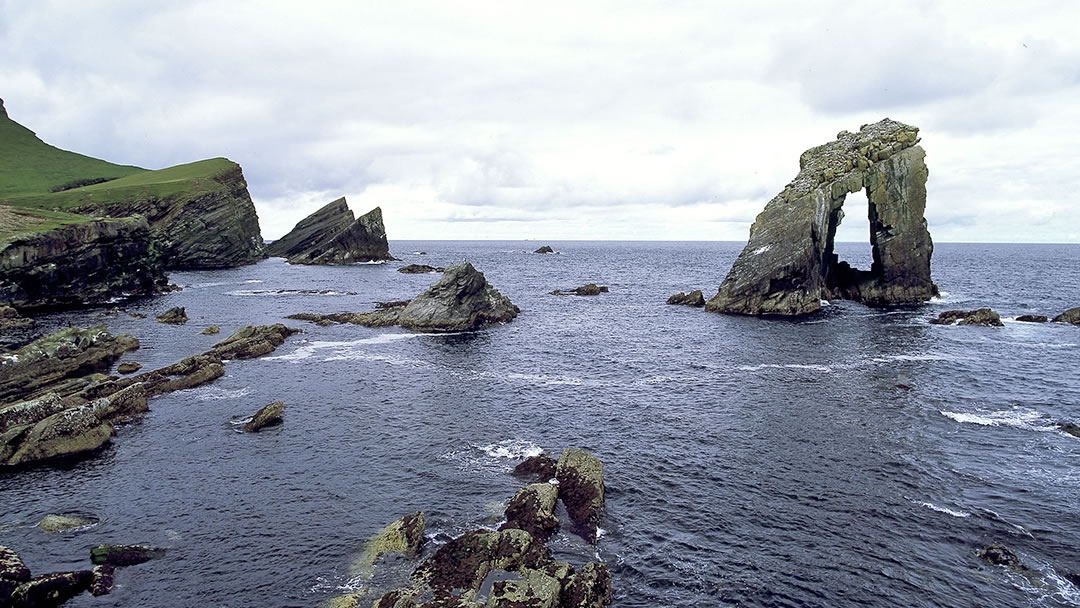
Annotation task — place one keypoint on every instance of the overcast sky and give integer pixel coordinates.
(577, 120)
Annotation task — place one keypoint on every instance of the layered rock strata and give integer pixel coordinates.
(332, 235)
(788, 266)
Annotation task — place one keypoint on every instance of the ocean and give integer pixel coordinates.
(854, 457)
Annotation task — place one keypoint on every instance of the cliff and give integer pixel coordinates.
(332, 236)
(788, 265)
(78, 264)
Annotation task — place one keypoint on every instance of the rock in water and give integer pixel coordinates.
(420, 269)
(269, 414)
(694, 298)
(592, 289)
(11, 319)
(128, 367)
(1070, 428)
(1033, 318)
(251, 341)
(545, 249)
(788, 265)
(404, 536)
(540, 467)
(589, 588)
(581, 488)
(210, 331)
(982, 316)
(174, 316)
(532, 509)
(1069, 316)
(332, 236)
(51, 589)
(13, 572)
(124, 555)
(60, 523)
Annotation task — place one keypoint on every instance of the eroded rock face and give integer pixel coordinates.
(788, 265)
(332, 236)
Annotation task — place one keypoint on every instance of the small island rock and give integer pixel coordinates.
(581, 488)
(533, 509)
(1069, 316)
(173, 316)
(269, 414)
(210, 331)
(51, 589)
(540, 467)
(694, 298)
(592, 289)
(60, 523)
(1070, 428)
(545, 249)
(1033, 318)
(124, 555)
(331, 235)
(982, 316)
(420, 269)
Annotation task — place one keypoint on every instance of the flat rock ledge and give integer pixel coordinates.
(788, 266)
(420, 269)
(512, 564)
(982, 316)
(592, 289)
(461, 300)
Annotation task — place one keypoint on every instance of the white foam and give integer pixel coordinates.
(545, 379)
(514, 449)
(254, 281)
(287, 292)
(924, 357)
(213, 393)
(309, 350)
(944, 510)
(807, 366)
(1021, 418)
(372, 263)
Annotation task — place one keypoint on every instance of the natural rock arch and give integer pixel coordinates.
(788, 266)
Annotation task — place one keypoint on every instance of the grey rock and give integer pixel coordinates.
(694, 298)
(788, 266)
(62, 523)
(332, 236)
(545, 249)
(420, 269)
(592, 289)
(1069, 316)
(65, 433)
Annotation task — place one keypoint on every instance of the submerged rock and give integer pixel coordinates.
(420, 269)
(332, 236)
(545, 249)
(174, 316)
(1069, 316)
(124, 555)
(982, 316)
(581, 488)
(266, 416)
(788, 266)
(1070, 428)
(1033, 318)
(694, 298)
(592, 289)
(60, 523)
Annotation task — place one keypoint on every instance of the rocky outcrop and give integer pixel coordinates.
(1033, 318)
(332, 236)
(540, 468)
(266, 416)
(581, 488)
(11, 319)
(694, 298)
(36, 368)
(420, 269)
(79, 264)
(210, 331)
(788, 266)
(210, 223)
(589, 588)
(50, 590)
(459, 301)
(592, 289)
(533, 509)
(1069, 316)
(404, 536)
(253, 341)
(13, 572)
(174, 316)
(982, 316)
(545, 249)
(128, 367)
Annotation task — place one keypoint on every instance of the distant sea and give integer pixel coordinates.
(854, 457)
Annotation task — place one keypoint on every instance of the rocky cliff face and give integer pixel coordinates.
(332, 236)
(788, 266)
(216, 229)
(79, 264)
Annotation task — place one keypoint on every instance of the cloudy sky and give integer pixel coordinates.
(549, 120)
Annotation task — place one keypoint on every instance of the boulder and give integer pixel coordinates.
(1070, 428)
(128, 367)
(545, 249)
(13, 572)
(11, 319)
(589, 588)
(694, 298)
(332, 236)
(533, 509)
(1033, 318)
(540, 468)
(174, 316)
(268, 415)
(41, 366)
(982, 316)
(1069, 316)
(210, 331)
(592, 289)
(50, 590)
(581, 488)
(124, 555)
(420, 269)
(251, 341)
(404, 536)
(788, 266)
(62, 523)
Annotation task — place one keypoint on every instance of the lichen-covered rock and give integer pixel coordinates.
(533, 509)
(535, 589)
(49, 590)
(589, 588)
(210, 331)
(404, 536)
(1069, 316)
(540, 467)
(128, 367)
(252, 341)
(592, 289)
(332, 236)
(61, 523)
(36, 368)
(79, 264)
(174, 316)
(189, 372)
(124, 555)
(29, 412)
(13, 572)
(65, 433)
(459, 567)
(694, 298)
(1033, 318)
(788, 265)
(267, 415)
(581, 488)
(982, 316)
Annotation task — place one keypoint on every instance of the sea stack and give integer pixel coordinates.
(331, 235)
(788, 265)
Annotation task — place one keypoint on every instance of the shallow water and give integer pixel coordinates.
(855, 457)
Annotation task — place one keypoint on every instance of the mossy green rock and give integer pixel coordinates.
(266, 416)
(174, 316)
(532, 509)
(536, 589)
(581, 488)
(252, 341)
(404, 536)
(128, 367)
(13, 572)
(61, 523)
(589, 588)
(210, 331)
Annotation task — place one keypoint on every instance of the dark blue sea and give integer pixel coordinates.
(855, 457)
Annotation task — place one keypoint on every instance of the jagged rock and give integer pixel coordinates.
(10, 319)
(128, 367)
(210, 331)
(1033, 318)
(535, 589)
(982, 316)
(533, 509)
(40, 366)
(540, 467)
(545, 249)
(1070, 428)
(459, 567)
(174, 316)
(581, 488)
(1069, 316)
(788, 265)
(50, 590)
(124, 555)
(61, 523)
(79, 264)
(104, 578)
(332, 236)
(1000, 555)
(404, 536)
(694, 298)
(269, 414)
(592, 289)
(252, 341)
(589, 588)
(420, 269)
(13, 572)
